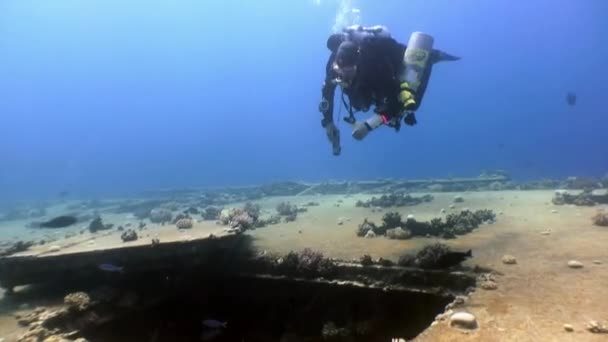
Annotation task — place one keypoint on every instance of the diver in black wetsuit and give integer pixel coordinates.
(372, 68)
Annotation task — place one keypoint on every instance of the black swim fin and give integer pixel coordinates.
(440, 56)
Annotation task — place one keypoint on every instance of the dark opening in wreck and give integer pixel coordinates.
(277, 310)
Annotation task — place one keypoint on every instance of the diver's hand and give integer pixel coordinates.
(333, 135)
(360, 130)
(409, 118)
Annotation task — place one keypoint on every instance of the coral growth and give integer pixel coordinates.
(242, 220)
(582, 199)
(184, 223)
(366, 260)
(391, 220)
(97, 224)
(16, 247)
(455, 224)
(77, 301)
(211, 213)
(253, 210)
(160, 215)
(128, 235)
(398, 234)
(307, 263)
(286, 209)
(434, 256)
(365, 227)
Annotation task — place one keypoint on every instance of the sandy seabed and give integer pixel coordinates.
(534, 298)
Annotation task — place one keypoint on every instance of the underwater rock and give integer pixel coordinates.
(568, 327)
(463, 320)
(509, 260)
(575, 264)
(370, 234)
(596, 327)
(211, 213)
(160, 215)
(394, 200)
(398, 234)
(600, 219)
(16, 247)
(184, 223)
(128, 235)
(77, 301)
(597, 262)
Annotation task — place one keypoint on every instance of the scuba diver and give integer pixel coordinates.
(372, 68)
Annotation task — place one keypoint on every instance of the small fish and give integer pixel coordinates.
(450, 259)
(111, 268)
(59, 222)
(571, 98)
(214, 324)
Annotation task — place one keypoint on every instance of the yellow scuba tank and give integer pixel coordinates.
(417, 62)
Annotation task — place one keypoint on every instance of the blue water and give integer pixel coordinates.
(119, 96)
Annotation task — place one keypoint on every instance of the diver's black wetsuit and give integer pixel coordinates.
(377, 82)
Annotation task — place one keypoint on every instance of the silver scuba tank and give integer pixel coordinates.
(358, 33)
(416, 59)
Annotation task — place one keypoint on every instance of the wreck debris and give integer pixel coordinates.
(393, 200)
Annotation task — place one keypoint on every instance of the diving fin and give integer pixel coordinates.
(440, 56)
